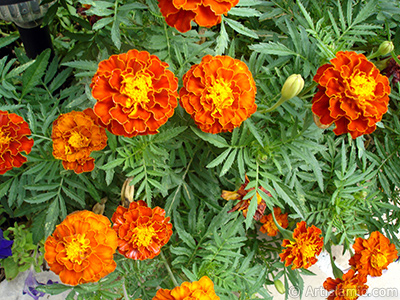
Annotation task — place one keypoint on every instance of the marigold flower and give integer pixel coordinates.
(141, 231)
(219, 93)
(244, 204)
(269, 226)
(75, 135)
(13, 140)
(205, 13)
(306, 245)
(351, 93)
(81, 248)
(373, 255)
(135, 93)
(350, 287)
(197, 290)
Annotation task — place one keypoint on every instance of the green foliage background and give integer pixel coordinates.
(345, 187)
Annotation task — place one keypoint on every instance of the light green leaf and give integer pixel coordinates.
(35, 72)
(240, 28)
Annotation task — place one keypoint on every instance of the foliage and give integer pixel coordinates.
(345, 187)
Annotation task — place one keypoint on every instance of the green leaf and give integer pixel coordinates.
(222, 40)
(51, 218)
(102, 23)
(112, 164)
(216, 140)
(274, 48)
(35, 72)
(244, 12)
(116, 34)
(219, 159)
(228, 163)
(87, 65)
(251, 211)
(4, 41)
(249, 123)
(41, 197)
(240, 28)
(366, 11)
(169, 134)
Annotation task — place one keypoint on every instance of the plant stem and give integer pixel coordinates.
(169, 270)
(41, 136)
(124, 290)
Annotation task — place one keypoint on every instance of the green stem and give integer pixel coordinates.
(169, 270)
(41, 136)
(124, 290)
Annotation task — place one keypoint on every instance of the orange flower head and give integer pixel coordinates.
(206, 13)
(135, 93)
(13, 141)
(81, 248)
(373, 255)
(197, 290)
(306, 245)
(75, 135)
(350, 287)
(269, 226)
(141, 231)
(351, 93)
(243, 204)
(219, 93)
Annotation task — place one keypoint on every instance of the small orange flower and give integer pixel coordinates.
(197, 290)
(135, 93)
(219, 93)
(81, 248)
(350, 287)
(351, 93)
(373, 255)
(75, 135)
(13, 140)
(269, 226)
(205, 13)
(243, 204)
(306, 245)
(141, 231)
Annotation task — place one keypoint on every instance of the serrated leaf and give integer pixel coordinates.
(222, 41)
(4, 41)
(51, 218)
(244, 12)
(112, 164)
(35, 72)
(116, 34)
(274, 48)
(219, 159)
(102, 23)
(240, 28)
(41, 197)
(228, 163)
(251, 211)
(169, 134)
(216, 140)
(249, 123)
(82, 65)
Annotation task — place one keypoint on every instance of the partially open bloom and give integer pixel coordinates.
(269, 225)
(5, 246)
(197, 290)
(350, 287)
(13, 141)
(141, 231)
(75, 135)
(303, 250)
(373, 255)
(351, 93)
(205, 13)
(135, 93)
(219, 93)
(81, 248)
(243, 204)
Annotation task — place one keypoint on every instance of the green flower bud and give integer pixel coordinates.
(279, 286)
(385, 48)
(292, 87)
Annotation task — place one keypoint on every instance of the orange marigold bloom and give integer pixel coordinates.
(13, 140)
(306, 245)
(350, 287)
(197, 290)
(205, 13)
(141, 231)
(373, 255)
(75, 135)
(269, 226)
(81, 248)
(351, 93)
(219, 93)
(244, 204)
(135, 93)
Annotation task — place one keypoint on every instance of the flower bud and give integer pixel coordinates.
(279, 286)
(292, 87)
(385, 48)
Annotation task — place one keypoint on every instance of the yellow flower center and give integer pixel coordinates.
(77, 249)
(142, 236)
(363, 86)
(77, 140)
(378, 261)
(221, 94)
(308, 250)
(4, 138)
(136, 88)
(349, 292)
